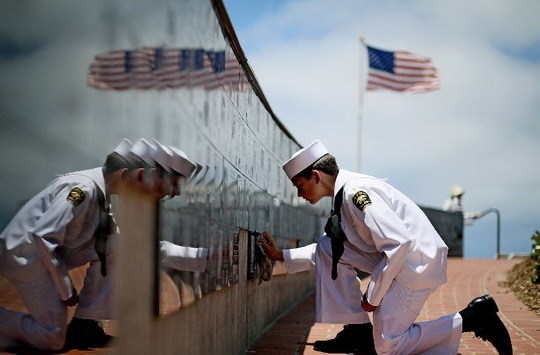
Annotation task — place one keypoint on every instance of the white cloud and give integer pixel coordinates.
(480, 130)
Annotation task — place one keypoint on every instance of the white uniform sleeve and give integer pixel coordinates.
(390, 237)
(49, 233)
(299, 259)
(183, 258)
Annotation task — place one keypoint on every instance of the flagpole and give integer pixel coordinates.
(363, 75)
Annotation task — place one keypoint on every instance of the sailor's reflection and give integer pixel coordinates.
(166, 170)
(180, 271)
(182, 258)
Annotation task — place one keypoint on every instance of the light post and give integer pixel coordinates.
(475, 216)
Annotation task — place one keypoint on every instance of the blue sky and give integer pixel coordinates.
(480, 131)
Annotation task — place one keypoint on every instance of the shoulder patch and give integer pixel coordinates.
(361, 200)
(76, 196)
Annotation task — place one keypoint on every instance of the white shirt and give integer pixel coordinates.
(184, 258)
(54, 230)
(394, 231)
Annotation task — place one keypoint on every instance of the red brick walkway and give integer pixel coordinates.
(467, 278)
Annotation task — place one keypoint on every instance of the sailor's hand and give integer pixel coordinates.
(73, 300)
(270, 248)
(366, 306)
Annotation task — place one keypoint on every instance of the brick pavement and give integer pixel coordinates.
(467, 278)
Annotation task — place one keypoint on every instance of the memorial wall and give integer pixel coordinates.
(79, 76)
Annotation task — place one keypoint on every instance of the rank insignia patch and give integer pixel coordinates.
(361, 200)
(76, 196)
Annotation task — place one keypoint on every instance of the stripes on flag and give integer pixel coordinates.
(400, 71)
(166, 68)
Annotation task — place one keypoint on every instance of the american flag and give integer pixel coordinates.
(161, 68)
(400, 71)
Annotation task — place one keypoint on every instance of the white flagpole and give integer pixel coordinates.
(363, 76)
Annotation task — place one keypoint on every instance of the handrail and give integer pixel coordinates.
(475, 216)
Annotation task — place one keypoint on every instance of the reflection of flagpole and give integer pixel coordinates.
(362, 84)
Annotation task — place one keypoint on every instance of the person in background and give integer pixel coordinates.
(375, 228)
(453, 203)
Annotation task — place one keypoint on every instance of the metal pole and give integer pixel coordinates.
(363, 74)
(498, 233)
(496, 211)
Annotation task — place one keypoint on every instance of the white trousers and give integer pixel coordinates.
(394, 327)
(44, 327)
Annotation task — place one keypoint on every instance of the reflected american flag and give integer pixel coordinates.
(165, 68)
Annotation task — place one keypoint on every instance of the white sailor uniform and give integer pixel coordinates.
(390, 237)
(51, 234)
(182, 258)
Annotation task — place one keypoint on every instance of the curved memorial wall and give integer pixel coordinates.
(78, 76)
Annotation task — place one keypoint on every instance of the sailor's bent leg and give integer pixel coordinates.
(396, 333)
(338, 301)
(45, 327)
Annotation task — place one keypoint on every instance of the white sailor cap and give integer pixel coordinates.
(181, 163)
(456, 191)
(123, 150)
(197, 169)
(143, 149)
(304, 158)
(162, 155)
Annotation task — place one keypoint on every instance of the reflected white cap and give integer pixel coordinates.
(197, 169)
(143, 149)
(181, 163)
(162, 155)
(304, 158)
(123, 150)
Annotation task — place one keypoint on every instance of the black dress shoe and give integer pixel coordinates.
(85, 334)
(354, 338)
(481, 317)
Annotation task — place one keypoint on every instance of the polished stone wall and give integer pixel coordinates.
(78, 76)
